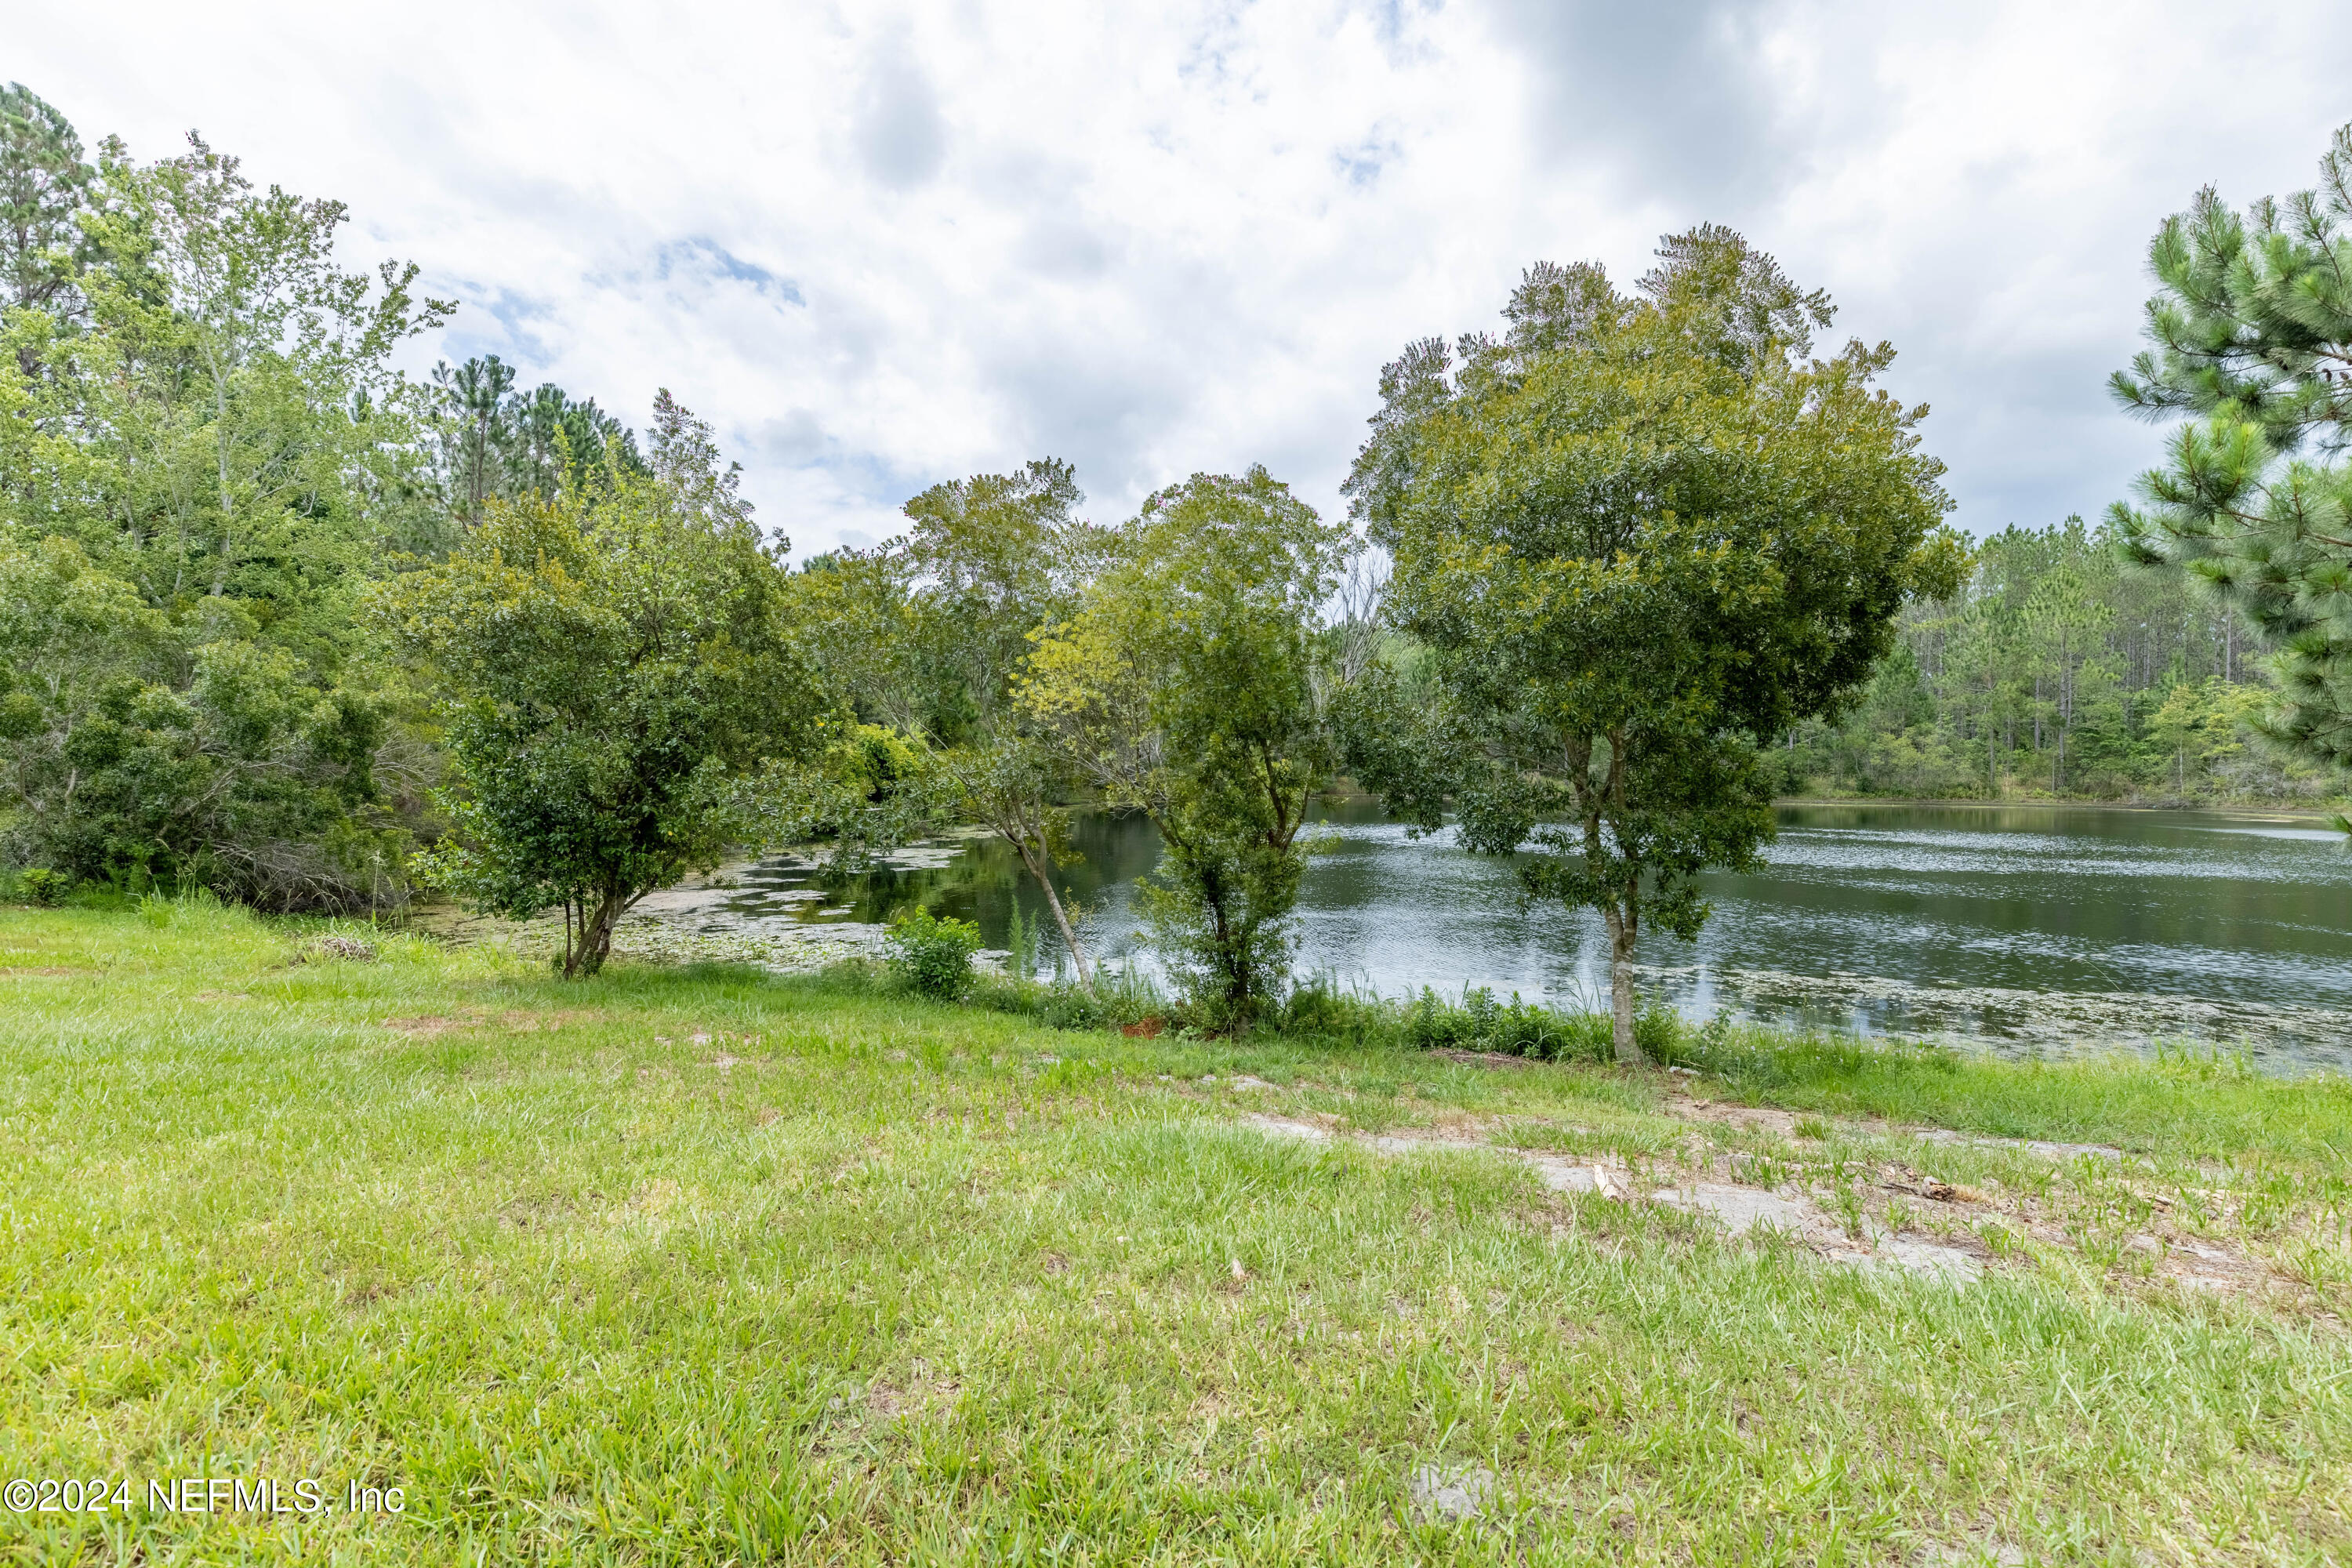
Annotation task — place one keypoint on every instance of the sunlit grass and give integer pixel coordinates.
(697, 1266)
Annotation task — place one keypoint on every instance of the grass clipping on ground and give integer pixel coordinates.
(704, 1266)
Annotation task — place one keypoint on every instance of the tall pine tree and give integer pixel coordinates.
(43, 183)
(2251, 334)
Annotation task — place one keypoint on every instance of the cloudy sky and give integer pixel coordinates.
(880, 245)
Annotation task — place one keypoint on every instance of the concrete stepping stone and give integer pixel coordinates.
(1738, 1209)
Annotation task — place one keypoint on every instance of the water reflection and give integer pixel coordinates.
(2036, 928)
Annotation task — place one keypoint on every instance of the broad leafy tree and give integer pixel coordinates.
(1638, 534)
(2251, 340)
(612, 661)
(990, 561)
(928, 634)
(227, 423)
(1187, 686)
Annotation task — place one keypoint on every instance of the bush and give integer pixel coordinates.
(1319, 1009)
(932, 956)
(40, 885)
(1479, 1023)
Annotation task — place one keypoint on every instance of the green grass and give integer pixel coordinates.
(2187, 1104)
(911, 1283)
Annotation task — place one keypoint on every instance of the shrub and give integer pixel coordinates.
(1021, 946)
(1318, 1009)
(1067, 1008)
(1479, 1023)
(930, 955)
(40, 885)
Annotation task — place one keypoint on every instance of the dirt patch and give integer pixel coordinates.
(923, 1392)
(1721, 1113)
(1738, 1208)
(426, 1026)
(516, 1022)
(2042, 1147)
(1766, 1119)
(1959, 1216)
(534, 1213)
(708, 1037)
(1796, 1215)
(1484, 1058)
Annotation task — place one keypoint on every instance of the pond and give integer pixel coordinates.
(2032, 928)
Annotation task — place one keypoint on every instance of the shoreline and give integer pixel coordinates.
(2266, 813)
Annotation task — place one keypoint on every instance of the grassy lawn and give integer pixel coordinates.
(700, 1265)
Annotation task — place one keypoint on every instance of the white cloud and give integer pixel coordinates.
(880, 248)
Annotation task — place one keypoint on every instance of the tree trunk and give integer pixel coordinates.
(596, 941)
(1041, 867)
(1621, 988)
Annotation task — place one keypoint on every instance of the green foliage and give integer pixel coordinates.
(611, 663)
(144, 747)
(1187, 687)
(1636, 535)
(1021, 946)
(1478, 1023)
(40, 885)
(2057, 670)
(932, 632)
(2249, 331)
(867, 791)
(1760, 1061)
(932, 956)
(493, 443)
(205, 453)
(227, 423)
(43, 183)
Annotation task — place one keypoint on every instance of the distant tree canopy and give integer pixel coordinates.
(2251, 334)
(494, 443)
(2059, 669)
(1638, 534)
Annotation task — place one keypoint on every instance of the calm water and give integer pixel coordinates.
(2030, 928)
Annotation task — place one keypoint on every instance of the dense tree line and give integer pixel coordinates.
(207, 462)
(2199, 645)
(2061, 669)
(278, 620)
